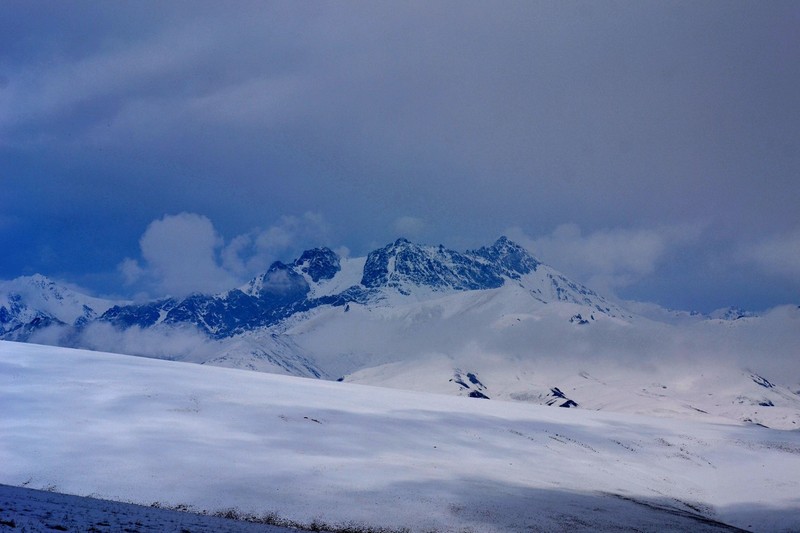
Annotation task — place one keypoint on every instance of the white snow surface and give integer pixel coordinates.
(143, 430)
(520, 348)
(349, 275)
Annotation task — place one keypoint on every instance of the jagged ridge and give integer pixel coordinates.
(401, 268)
(285, 289)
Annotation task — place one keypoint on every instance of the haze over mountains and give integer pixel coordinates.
(493, 322)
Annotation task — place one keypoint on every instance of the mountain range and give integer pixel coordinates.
(488, 323)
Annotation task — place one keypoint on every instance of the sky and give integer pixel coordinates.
(648, 149)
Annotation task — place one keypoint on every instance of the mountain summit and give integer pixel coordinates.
(34, 302)
(403, 265)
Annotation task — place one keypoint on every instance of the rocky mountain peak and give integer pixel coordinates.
(402, 265)
(509, 257)
(319, 263)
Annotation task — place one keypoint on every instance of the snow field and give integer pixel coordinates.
(141, 430)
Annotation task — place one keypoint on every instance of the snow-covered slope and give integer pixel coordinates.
(144, 430)
(707, 393)
(522, 349)
(277, 354)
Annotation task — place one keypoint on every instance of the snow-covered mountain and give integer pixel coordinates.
(400, 272)
(34, 302)
(488, 323)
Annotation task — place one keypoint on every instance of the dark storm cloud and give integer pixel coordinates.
(452, 121)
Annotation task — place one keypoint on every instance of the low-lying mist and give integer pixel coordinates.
(340, 343)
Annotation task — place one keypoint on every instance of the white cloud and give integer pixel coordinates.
(252, 253)
(183, 253)
(181, 343)
(179, 255)
(234, 254)
(778, 255)
(608, 258)
(130, 270)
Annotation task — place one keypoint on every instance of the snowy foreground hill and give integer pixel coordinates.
(312, 451)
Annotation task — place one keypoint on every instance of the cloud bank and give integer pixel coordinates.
(182, 254)
(777, 255)
(607, 259)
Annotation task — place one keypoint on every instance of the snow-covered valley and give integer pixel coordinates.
(143, 431)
